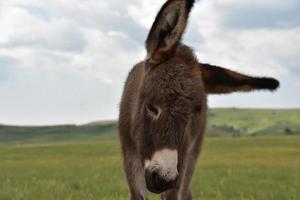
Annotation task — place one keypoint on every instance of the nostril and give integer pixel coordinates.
(150, 178)
(155, 177)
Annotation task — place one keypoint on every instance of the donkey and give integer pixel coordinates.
(164, 105)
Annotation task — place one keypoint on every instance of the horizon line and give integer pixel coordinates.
(116, 119)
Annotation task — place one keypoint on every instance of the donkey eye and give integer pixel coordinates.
(152, 109)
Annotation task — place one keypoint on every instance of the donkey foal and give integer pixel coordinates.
(163, 108)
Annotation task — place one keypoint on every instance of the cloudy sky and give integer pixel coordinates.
(66, 61)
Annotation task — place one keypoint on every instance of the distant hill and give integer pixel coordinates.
(228, 122)
(9, 134)
(255, 122)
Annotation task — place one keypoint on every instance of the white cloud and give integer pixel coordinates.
(65, 44)
(80, 51)
(70, 62)
(255, 51)
(144, 13)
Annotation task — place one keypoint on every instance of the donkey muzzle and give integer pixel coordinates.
(157, 183)
(161, 171)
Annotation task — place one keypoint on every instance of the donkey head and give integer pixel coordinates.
(173, 92)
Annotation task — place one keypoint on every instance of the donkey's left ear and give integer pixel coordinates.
(218, 80)
(167, 30)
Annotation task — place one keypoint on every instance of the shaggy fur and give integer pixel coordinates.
(164, 102)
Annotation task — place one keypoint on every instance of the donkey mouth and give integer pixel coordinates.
(156, 184)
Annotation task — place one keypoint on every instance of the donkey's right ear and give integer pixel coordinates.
(167, 30)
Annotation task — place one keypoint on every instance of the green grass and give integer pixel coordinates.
(84, 162)
(260, 168)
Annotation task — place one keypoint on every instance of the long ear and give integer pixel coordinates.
(167, 30)
(218, 80)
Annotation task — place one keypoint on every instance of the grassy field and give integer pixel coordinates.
(252, 168)
(84, 163)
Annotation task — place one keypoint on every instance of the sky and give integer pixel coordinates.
(66, 61)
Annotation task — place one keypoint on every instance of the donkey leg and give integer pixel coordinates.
(134, 171)
(183, 192)
(176, 193)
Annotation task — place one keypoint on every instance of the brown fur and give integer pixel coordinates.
(177, 85)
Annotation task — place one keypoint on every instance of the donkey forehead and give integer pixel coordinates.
(172, 81)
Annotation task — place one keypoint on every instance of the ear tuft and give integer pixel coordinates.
(189, 4)
(265, 83)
